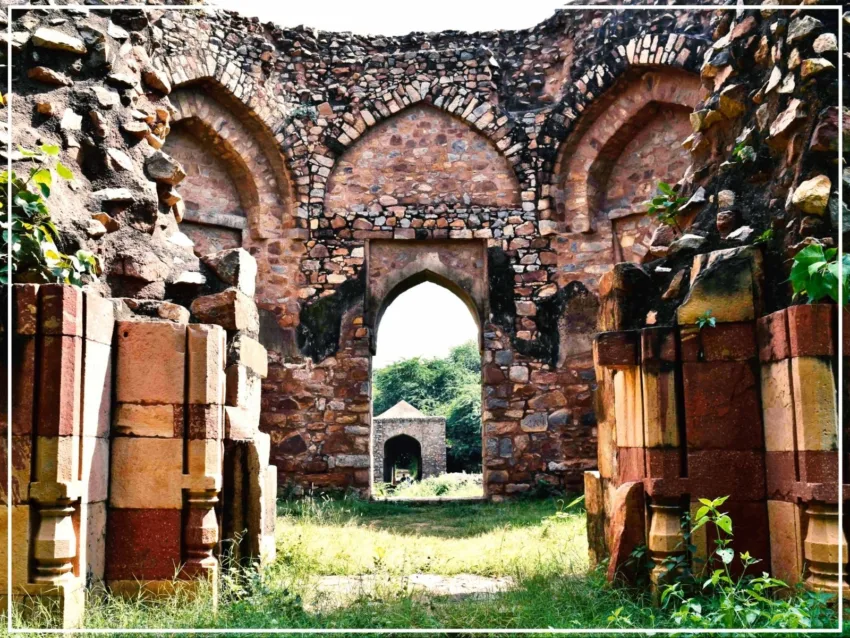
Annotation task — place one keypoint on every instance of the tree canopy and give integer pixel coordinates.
(449, 387)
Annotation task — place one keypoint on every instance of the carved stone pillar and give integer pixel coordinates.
(201, 533)
(55, 543)
(820, 549)
(666, 540)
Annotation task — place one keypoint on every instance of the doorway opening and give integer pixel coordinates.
(426, 397)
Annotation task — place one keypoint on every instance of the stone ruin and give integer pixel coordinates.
(259, 195)
(403, 428)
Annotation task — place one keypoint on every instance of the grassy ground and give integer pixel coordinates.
(449, 485)
(538, 544)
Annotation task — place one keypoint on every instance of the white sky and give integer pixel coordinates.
(385, 17)
(425, 321)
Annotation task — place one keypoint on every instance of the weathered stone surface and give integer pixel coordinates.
(627, 531)
(230, 309)
(812, 196)
(53, 39)
(140, 343)
(235, 267)
(49, 76)
(161, 167)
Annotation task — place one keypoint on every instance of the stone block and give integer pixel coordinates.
(777, 403)
(722, 407)
(97, 389)
(616, 349)
(92, 534)
(772, 332)
(660, 412)
(663, 463)
(164, 421)
(815, 407)
(786, 541)
(20, 541)
(726, 282)
(230, 309)
(99, 318)
(146, 473)
(240, 423)
(248, 352)
(236, 267)
(725, 342)
(627, 531)
(537, 422)
(140, 345)
(658, 345)
(594, 502)
(204, 461)
(628, 407)
(205, 421)
(243, 390)
(23, 371)
(631, 464)
(57, 459)
(25, 309)
(206, 348)
(60, 386)
(720, 472)
(143, 544)
(61, 310)
(95, 469)
(812, 330)
(818, 466)
(21, 460)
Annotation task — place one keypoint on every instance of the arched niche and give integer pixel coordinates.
(420, 157)
(627, 142)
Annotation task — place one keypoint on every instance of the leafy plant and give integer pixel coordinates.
(706, 320)
(715, 598)
(815, 273)
(665, 206)
(32, 234)
(765, 238)
(743, 153)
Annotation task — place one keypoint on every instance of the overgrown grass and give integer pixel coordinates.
(540, 545)
(447, 485)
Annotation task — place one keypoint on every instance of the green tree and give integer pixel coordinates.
(449, 387)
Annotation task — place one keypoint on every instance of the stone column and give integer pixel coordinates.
(666, 540)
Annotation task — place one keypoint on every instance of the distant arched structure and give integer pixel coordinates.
(404, 437)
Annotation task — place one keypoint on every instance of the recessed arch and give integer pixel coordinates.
(402, 449)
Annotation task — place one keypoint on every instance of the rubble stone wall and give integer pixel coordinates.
(429, 432)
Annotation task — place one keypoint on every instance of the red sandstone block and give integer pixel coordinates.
(25, 308)
(811, 330)
(818, 466)
(772, 331)
(21, 468)
(722, 408)
(23, 370)
(751, 531)
(627, 531)
(151, 357)
(631, 464)
(658, 344)
(663, 463)
(143, 544)
(725, 342)
(205, 421)
(61, 310)
(781, 475)
(738, 473)
(617, 349)
(59, 387)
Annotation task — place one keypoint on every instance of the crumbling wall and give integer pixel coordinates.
(740, 406)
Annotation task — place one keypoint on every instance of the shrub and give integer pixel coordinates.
(713, 598)
(35, 256)
(815, 273)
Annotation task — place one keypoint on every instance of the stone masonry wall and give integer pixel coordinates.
(295, 117)
(429, 432)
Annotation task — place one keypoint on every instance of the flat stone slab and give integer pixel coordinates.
(339, 591)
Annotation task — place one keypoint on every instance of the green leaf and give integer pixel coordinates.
(63, 171)
(49, 149)
(702, 511)
(724, 523)
(665, 188)
(726, 554)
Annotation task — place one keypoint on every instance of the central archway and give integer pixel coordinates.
(402, 459)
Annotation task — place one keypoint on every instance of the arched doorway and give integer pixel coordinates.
(402, 459)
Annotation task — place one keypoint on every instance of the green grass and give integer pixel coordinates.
(448, 485)
(538, 544)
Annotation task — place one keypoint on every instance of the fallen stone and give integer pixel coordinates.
(49, 76)
(236, 267)
(53, 39)
(741, 235)
(105, 98)
(826, 43)
(122, 80)
(157, 79)
(108, 222)
(139, 130)
(163, 168)
(687, 242)
(812, 196)
(815, 66)
(95, 229)
(71, 121)
(112, 195)
(230, 309)
(801, 28)
(727, 221)
(784, 123)
(119, 160)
